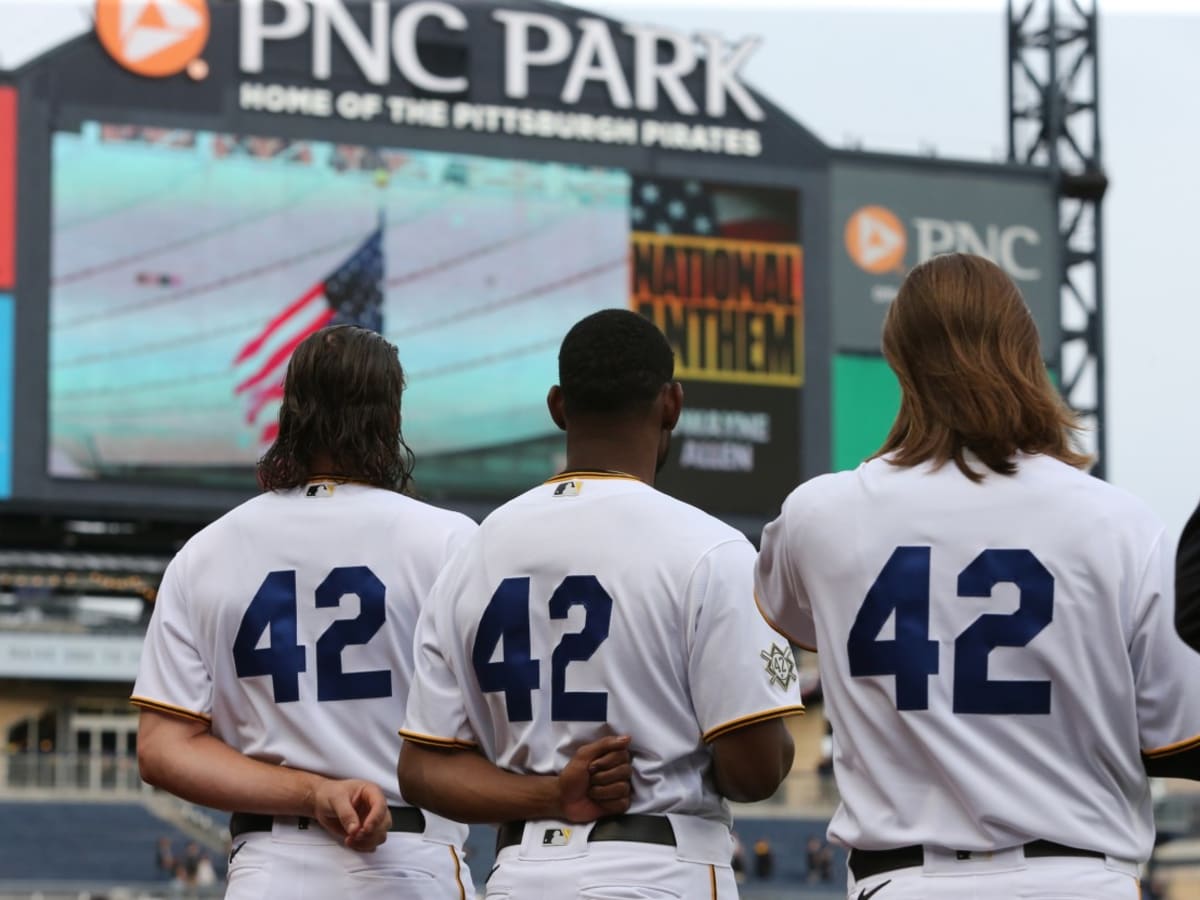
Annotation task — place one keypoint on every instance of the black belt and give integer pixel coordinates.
(639, 829)
(865, 863)
(404, 818)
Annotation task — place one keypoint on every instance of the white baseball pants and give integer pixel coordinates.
(288, 863)
(1006, 875)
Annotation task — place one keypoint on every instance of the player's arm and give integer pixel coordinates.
(750, 763)
(1165, 672)
(441, 770)
(461, 784)
(778, 590)
(1187, 583)
(178, 752)
(181, 755)
(743, 677)
(1184, 763)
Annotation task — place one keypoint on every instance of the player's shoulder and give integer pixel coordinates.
(701, 527)
(1090, 498)
(224, 528)
(418, 520)
(635, 507)
(832, 490)
(428, 515)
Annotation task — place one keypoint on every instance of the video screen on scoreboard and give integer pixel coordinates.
(187, 265)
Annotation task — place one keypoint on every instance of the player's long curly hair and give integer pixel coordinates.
(965, 349)
(340, 414)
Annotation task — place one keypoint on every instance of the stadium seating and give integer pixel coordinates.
(115, 843)
(788, 839)
(87, 842)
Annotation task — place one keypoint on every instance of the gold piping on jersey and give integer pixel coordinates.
(1172, 749)
(778, 712)
(433, 741)
(779, 631)
(462, 891)
(169, 709)
(591, 473)
(712, 880)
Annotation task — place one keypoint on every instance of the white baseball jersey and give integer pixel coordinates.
(994, 657)
(593, 605)
(288, 625)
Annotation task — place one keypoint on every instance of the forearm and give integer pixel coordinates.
(462, 785)
(1185, 764)
(203, 769)
(1187, 583)
(745, 786)
(749, 764)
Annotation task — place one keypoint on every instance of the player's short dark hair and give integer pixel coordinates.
(613, 362)
(341, 399)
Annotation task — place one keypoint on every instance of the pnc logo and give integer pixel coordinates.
(876, 240)
(155, 38)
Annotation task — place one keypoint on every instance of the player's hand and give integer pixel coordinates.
(354, 811)
(597, 781)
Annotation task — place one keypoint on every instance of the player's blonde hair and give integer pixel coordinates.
(965, 349)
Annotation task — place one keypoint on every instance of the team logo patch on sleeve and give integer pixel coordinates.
(781, 665)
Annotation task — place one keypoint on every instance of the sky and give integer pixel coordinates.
(914, 75)
(910, 75)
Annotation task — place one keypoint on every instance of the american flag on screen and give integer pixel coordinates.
(701, 209)
(351, 295)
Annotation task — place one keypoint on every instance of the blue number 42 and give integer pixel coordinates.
(902, 588)
(517, 674)
(273, 610)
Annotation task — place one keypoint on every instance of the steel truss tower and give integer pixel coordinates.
(1054, 121)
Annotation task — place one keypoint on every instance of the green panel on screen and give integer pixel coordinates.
(866, 396)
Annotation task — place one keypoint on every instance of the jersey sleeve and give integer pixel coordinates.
(436, 714)
(457, 537)
(1165, 669)
(172, 675)
(778, 588)
(740, 671)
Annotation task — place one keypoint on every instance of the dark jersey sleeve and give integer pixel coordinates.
(1187, 583)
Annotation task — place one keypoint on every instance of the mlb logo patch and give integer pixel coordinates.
(567, 489)
(324, 489)
(556, 837)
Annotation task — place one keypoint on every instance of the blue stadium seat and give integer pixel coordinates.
(788, 839)
(94, 842)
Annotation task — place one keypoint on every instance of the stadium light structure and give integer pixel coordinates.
(1054, 121)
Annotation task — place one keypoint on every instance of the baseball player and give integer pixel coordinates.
(1187, 582)
(995, 626)
(594, 605)
(281, 645)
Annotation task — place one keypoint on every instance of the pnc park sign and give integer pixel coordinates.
(596, 80)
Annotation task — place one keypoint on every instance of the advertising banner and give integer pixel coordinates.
(718, 267)
(890, 214)
(8, 188)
